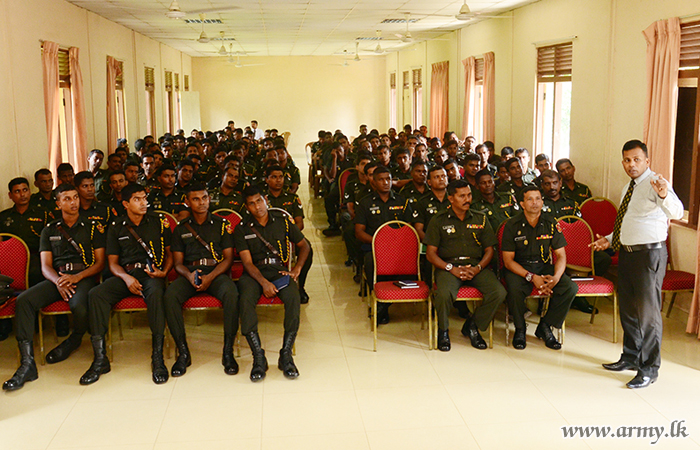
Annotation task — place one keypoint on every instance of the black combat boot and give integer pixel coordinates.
(184, 359)
(259, 368)
(100, 365)
(27, 369)
(160, 372)
(64, 349)
(229, 362)
(286, 362)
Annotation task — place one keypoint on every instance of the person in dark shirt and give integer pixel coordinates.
(148, 178)
(434, 201)
(44, 199)
(117, 182)
(570, 187)
(263, 241)
(138, 252)
(292, 177)
(65, 173)
(417, 187)
(336, 164)
(90, 208)
(226, 196)
(516, 183)
(497, 206)
(72, 255)
(166, 197)
(401, 174)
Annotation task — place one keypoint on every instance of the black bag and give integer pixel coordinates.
(6, 292)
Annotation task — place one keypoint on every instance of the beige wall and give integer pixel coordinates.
(299, 94)
(22, 119)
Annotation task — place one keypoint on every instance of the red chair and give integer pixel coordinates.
(342, 181)
(579, 258)
(54, 309)
(599, 213)
(465, 294)
(234, 218)
(14, 262)
(675, 281)
(396, 252)
(533, 295)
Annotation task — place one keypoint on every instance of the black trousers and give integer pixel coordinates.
(110, 292)
(250, 292)
(180, 290)
(306, 267)
(559, 303)
(641, 275)
(43, 294)
(332, 203)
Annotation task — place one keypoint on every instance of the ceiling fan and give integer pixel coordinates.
(235, 58)
(407, 36)
(466, 14)
(174, 11)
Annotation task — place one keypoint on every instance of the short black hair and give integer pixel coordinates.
(65, 187)
(139, 144)
(163, 168)
(371, 165)
(113, 156)
(146, 155)
(635, 143)
(96, 150)
(550, 174)
(472, 157)
(399, 151)
(63, 167)
(526, 189)
(363, 156)
(522, 150)
(195, 187)
(541, 157)
(80, 176)
(435, 168)
(379, 170)
(15, 181)
(250, 191)
(563, 161)
(418, 162)
(131, 189)
(507, 151)
(131, 164)
(482, 173)
(116, 172)
(183, 163)
(453, 185)
(511, 161)
(273, 168)
(41, 172)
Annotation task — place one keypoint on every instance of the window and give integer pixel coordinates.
(478, 112)
(176, 113)
(187, 83)
(169, 119)
(150, 78)
(65, 114)
(392, 100)
(121, 108)
(686, 163)
(553, 104)
(417, 98)
(406, 100)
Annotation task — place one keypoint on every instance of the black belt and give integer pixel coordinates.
(203, 262)
(268, 262)
(138, 265)
(640, 247)
(70, 267)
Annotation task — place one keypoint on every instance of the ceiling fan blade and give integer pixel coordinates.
(214, 10)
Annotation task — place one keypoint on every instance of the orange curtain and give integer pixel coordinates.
(489, 97)
(469, 83)
(439, 98)
(78, 122)
(112, 130)
(52, 103)
(663, 57)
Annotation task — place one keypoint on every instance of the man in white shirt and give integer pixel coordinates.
(640, 232)
(258, 132)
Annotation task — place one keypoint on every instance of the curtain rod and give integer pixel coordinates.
(554, 41)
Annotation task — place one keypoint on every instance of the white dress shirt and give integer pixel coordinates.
(259, 134)
(646, 219)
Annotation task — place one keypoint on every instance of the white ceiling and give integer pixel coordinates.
(292, 27)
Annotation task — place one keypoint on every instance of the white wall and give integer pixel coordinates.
(299, 94)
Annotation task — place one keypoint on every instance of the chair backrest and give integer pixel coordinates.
(579, 236)
(172, 221)
(285, 136)
(396, 249)
(499, 237)
(343, 180)
(232, 216)
(599, 213)
(284, 211)
(14, 260)
(307, 150)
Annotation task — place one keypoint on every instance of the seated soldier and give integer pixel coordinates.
(421, 152)
(507, 153)
(484, 155)
(516, 183)
(460, 245)
(454, 170)
(72, 256)
(383, 155)
(434, 201)
(186, 170)
(451, 146)
(202, 248)
(117, 182)
(472, 163)
(374, 210)
(570, 187)
(165, 197)
(95, 159)
(90, 208)
(226, 196)
(292, 176)
(148, 178)
(65, 173)
(44, 199)
(497, 206)
(401, 174)
(277, 197)
(356, 190)
(138, 252)
(417, 187)
(523, 156)
(216, 170)
(440, 157)
(502, 175)
(542, 163)
(337, 163)
(263, 242)
(131, 173)
(530, 241)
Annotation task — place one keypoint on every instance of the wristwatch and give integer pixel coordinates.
(529, 276)
(449, 267)
(480, 268)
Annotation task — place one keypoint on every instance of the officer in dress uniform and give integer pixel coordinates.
(517, 182)
(498, 206)
(434, 201)
(530, 241)
(90, 208)
(72, 255)
(460, 244)
(202, 243)
(138, 251)
(45, 198)
(227, 196)
(415, 189)
(570, 187)
(166, 197)
(262, 241)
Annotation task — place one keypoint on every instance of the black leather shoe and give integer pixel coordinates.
(463, 310)
(443, 342)
(519, 342)
(582, 305)
(27, 370)
(641, 381)
(544, 332)
(348, 262)
(620, 365)
(357, 278)
(382, 314)
(470, 330)
(63, 350)
(159, 373)
(227, 359)
(184, 359)
(100, 365)
(257, 372)
(303, 296)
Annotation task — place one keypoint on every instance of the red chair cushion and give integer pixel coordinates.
(202, 301)
(56, 307)
(269, 301)
(236, 270)
(614, 259)
(677, 280)
(8, 309)
(598, 285)
(131, 302)
(387, 290)
(469, 292)
(14, 261)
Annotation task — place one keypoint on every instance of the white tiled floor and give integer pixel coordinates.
(348, 397)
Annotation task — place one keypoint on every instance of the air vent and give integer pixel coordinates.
(373, 38)
(203, 21)
(400, 20)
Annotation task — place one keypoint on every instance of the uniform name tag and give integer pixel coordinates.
(449, 229)
(520, 238)
(250, 236)
(186, 235)
(123, 238)
(54, 238)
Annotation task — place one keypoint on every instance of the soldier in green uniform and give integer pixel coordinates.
(336, 165)
(358, 184)
(472, 165)
(373, 211)
(90, 208)
(166, 197)
(523, 156)
(148, 178)
(186, 170)
(95, 159)
(530, 241)
(417, 187)
(434, 201)
(138, 252)
(497, 206)
(131, 172)
(292, 176)
(226, 196)
(401, 174)
(453, 169)
(44, 199)
(516, 183)
(72, 256)
(262, 242)
(202, 243)
(117, 182)
(460, 245)
(570, 187)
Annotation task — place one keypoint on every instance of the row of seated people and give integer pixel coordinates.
(69, 272)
